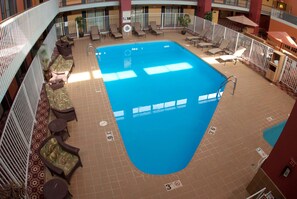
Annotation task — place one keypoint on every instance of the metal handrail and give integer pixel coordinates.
(229, 79)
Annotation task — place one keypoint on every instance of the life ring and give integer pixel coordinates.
(127, 28)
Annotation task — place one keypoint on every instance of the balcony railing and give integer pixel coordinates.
(18, 35)
(284, 16)
(239, 3)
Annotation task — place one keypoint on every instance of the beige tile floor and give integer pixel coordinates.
(222, 166)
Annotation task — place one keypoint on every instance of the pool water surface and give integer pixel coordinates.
(163, 98)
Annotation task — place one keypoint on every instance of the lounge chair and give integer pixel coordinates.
(236, 55)
(137, 29)
(200, 36)
(154, 29)
(94, 33)
(215, 43)
(221, 48)
(115, 32)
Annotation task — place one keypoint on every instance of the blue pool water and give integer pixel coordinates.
(163, 98)
(272, 134)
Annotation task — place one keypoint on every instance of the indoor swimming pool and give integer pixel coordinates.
(163, 98)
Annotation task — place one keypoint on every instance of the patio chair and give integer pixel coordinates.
(224, 44)
(94, 33)
(200, 36)
(115, 32)
(236, 55)
(215, 43)
(153, 28)
(60, 158)
(137, 29)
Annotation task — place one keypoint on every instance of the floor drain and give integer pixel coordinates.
(173, 185)
(269, 119)
(212, 130)
(109, 136)
(103, 123)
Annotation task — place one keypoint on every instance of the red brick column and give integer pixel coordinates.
(125, 5)
(255, 12)
(203, 7)
(20, 6)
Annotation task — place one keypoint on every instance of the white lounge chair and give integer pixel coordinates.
(215, 43)
(236, 55)
(221, 48)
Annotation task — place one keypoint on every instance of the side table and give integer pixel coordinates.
(59, 127)
(56, 189)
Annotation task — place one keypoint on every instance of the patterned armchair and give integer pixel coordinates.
(60, 102)
(61, 159)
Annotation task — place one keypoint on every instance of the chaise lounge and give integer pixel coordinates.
(137, 29)
(154, 29)
(236, 55)
(94, 33)
(114, 31)
(60, 102)
(61, 67)
(60, 158)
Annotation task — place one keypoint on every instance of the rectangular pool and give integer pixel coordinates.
(163, 98)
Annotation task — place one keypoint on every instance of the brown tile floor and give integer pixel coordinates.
(222, 166)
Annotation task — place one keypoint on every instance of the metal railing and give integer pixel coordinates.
(283, 15)
(18, 35)
(239, 3)
(289, 74)
(15, 142)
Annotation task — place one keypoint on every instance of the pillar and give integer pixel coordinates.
(281, 164)
(125, 6)
(255, 13)
(20, 6)
(203, 7)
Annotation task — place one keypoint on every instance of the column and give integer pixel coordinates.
(203, 7)
(255, 13)
(20, 6)
(125, 6)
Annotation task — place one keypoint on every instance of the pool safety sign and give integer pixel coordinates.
(127, 16)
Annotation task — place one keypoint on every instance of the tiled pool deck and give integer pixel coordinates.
(222, 166)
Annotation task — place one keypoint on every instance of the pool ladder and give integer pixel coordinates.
(232, 79)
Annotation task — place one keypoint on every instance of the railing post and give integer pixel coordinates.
(77, 34)
(174, 25)
(162, 20)
(252, 44)
(283, 69)
(194, 26)
(236, 42)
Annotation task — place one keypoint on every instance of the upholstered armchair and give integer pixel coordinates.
(61, 159)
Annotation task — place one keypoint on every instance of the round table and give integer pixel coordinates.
(58, 126)
(56, 189)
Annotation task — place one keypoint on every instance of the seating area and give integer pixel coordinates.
(60, 158)
(60, 102)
